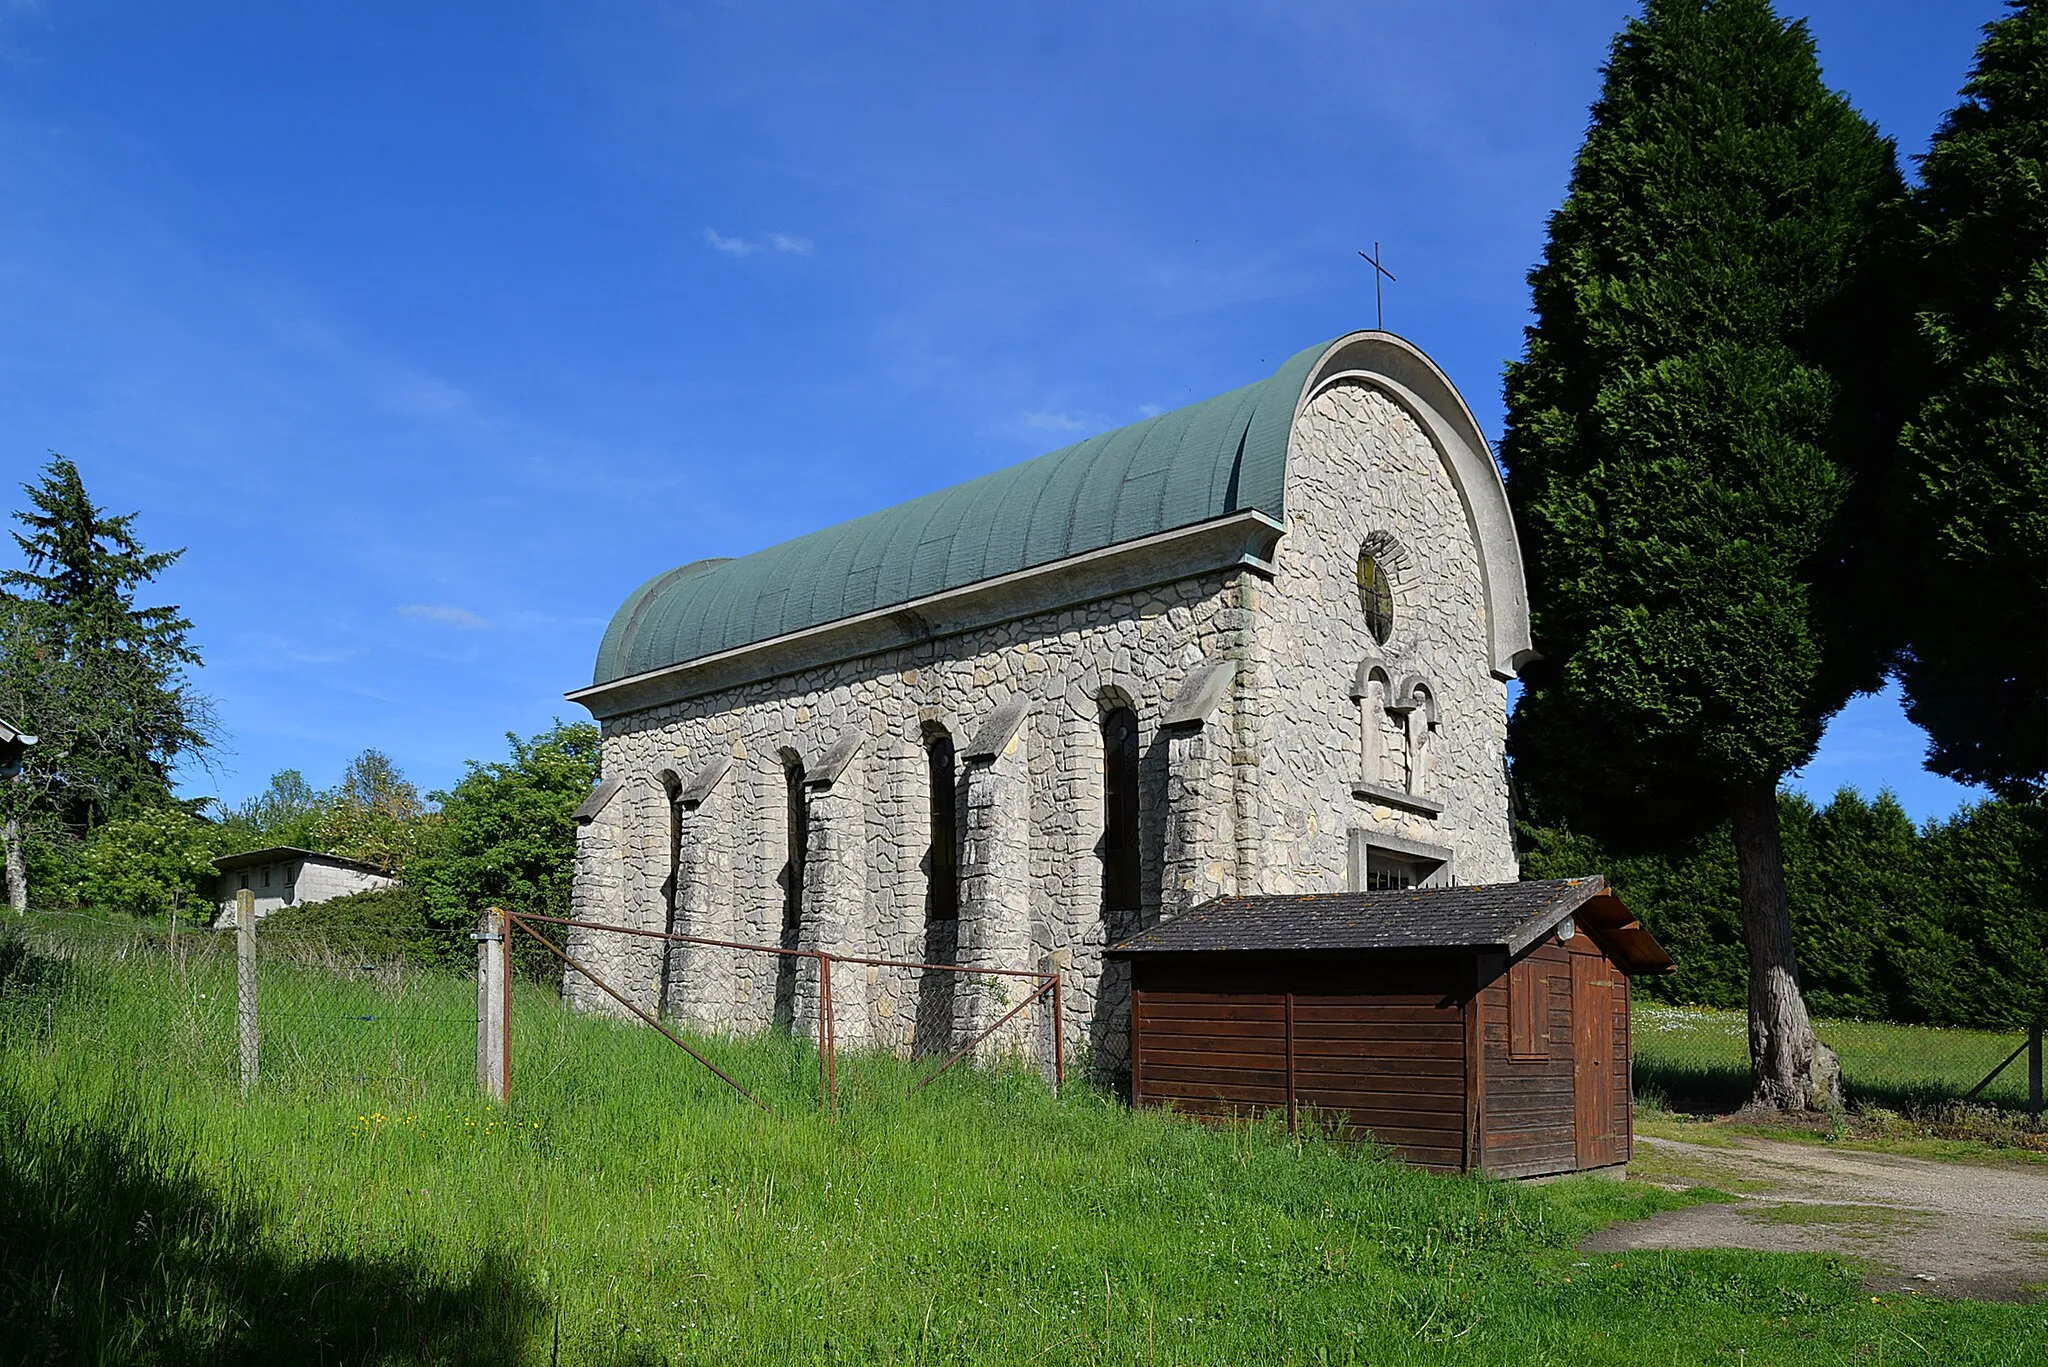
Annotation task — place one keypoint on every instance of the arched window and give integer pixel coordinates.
(1120, 862)
(942, 879)
(1375, 594)
(796, 823)
(672, 885)
(796, 831)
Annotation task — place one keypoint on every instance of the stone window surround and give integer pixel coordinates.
(1406, 693)
(1362, 839)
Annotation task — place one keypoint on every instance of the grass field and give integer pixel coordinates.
(365, 1206)
(1696, 1058)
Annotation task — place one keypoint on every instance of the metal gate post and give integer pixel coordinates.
(2034, 1072)
(825, 1038)
(1059, 1038)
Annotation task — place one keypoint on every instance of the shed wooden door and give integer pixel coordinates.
(1601, 1120)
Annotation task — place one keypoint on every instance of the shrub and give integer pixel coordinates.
(143, 865)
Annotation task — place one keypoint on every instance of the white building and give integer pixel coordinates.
(283, 876)
(1256, 645)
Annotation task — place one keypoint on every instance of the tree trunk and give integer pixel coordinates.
(1789, 1068)
(17, 868)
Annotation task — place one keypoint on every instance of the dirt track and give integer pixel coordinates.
(1949, 1229)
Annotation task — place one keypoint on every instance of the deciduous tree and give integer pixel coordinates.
(508, 836)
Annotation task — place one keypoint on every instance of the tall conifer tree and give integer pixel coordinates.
(1975, 505)
(100, 678)
(1699, 396)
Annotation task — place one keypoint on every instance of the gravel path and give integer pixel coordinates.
(1951, 1229)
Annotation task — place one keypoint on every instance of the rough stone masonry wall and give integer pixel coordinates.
(1359, 465)
(1135, 648)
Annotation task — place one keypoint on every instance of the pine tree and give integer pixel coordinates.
(1975, 492)
(1686, 431)
(102, 680)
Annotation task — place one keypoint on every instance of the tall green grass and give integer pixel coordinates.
(629, 1208)
(1697, 1058)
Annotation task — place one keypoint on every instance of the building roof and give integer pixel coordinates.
(1197, 491)
(1211, 459)
(14, 742)
(1507, 917)
(228, 863)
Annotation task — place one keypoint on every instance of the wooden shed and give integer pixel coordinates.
(1474, 1029)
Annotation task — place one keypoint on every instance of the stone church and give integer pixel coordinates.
(1258, 644)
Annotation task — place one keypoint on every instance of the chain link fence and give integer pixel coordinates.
(356, 1006)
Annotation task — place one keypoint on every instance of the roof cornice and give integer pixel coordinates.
(1240, 541)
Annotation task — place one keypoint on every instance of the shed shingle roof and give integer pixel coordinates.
(1508, 917)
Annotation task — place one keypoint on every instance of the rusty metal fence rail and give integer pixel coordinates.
(494, 937)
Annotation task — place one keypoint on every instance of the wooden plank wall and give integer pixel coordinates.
(1529, 1111)
(1624, 1070)
(1373, 1046)
(1531, 1116)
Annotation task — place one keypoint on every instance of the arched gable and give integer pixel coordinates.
(1396, 368)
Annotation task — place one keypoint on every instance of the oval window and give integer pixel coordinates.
(1376, 597)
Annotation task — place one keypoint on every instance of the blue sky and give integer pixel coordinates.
(433, 330)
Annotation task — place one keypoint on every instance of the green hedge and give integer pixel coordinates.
(1946, 924)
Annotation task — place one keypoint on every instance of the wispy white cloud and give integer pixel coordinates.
(787, 243)
(731, 246)
(1046, 420)
(447, 616)
(1150, 410)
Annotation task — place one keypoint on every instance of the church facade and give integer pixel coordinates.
(1256, 645)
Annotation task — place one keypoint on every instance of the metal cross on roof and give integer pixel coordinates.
(1379, 303)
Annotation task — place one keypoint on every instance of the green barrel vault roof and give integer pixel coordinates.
(1211, 459)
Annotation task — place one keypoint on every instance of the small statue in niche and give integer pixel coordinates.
(1413, 707)
(1422, 738)
(1381, 758)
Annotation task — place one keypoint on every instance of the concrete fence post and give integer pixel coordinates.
(245, 983)
(494, 1005)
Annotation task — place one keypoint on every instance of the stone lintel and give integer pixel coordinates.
(1400, 844)
(1394, 797)
(1203, 691)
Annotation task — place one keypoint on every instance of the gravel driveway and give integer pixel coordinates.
(1952, 1229)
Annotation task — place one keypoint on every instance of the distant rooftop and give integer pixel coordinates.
(228, 863)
